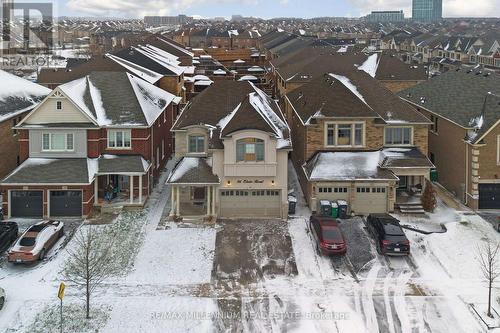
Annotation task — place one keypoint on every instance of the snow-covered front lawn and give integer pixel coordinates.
(175, 256)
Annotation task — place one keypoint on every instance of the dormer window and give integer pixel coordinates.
(196, 143)
(250, 150)
(59, 105)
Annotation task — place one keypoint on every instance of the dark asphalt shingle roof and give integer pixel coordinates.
(404, 158)
(193, 170)
(333, 99)
(460, 96)
(50, 171)
(122, 163)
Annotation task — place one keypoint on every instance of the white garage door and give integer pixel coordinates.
(250, 203)
(370, 200)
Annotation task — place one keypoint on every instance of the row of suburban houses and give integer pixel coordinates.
(101, 138)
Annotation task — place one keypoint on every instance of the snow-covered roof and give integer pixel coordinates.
(370, 65)
(346, 166)
(248, 78)
(117, 99)
(18, 95)
(193, 170)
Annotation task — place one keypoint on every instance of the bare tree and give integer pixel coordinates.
(488, 261)
(91, 261)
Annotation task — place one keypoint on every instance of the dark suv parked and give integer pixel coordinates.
(390, 238)
(329, 238)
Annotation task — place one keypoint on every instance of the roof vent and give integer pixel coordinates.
(469, 71)
(487, 74)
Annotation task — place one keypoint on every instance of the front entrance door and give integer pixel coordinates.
(199, 193)
(403, 183)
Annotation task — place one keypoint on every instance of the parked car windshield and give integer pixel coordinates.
(331, 233)
(27, 241)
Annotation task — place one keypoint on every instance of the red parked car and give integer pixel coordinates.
(329, 238)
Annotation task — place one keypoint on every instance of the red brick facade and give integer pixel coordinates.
(154, 144)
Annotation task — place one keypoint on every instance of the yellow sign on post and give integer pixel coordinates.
(60, 294)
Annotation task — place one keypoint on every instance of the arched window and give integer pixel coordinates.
(250, 150)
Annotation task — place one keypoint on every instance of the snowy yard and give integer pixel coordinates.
(264, 276)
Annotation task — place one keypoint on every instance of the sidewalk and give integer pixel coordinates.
(449, 199)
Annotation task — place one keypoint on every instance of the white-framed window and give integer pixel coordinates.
(398, 136)
(345, 134)
(58, 142)
(119, 139)
(196, 143)
(363, 189)
(250, 150)
(59, 105)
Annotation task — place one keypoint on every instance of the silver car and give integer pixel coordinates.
(2, 298)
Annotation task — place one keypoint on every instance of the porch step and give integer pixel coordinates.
(410, 208)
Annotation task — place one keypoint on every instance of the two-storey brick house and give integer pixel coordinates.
(355, 141)
(464, 138)
(105, 133)
(232, 143)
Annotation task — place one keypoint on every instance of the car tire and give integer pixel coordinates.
(42, 255)
(2, 302)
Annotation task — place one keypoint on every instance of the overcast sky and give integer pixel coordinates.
(263, 8)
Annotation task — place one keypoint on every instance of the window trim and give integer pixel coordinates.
(50, 150)
(257, 141)
(204, 144)
(59, 103)
(353, 134)
(114, 131)
(412, 138)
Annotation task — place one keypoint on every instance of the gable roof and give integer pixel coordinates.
(117, 99)
(469, 98)
(230, 106)
(18, 95)
(348, 95)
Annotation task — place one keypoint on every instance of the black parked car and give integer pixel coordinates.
(389, 235)
(8, 234)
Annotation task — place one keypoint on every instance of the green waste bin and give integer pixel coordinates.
(434, 175)
(335, 210)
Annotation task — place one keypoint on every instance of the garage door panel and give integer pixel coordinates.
(65, 203)
(250, 203)
(489, 196)
(26, 203)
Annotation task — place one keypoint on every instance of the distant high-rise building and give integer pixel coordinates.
(386, 16)
(154, 21)
(427, 10)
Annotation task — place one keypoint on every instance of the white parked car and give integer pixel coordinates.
(2, 298)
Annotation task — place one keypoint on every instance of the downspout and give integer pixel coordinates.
(466, 173)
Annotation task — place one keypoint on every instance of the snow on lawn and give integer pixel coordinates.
(162, 314)
(175, 256)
